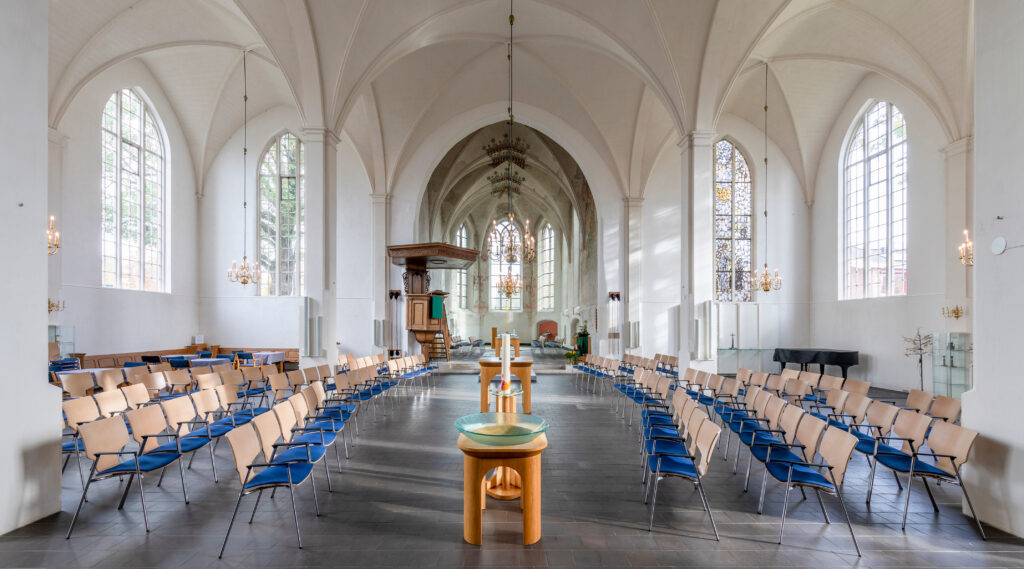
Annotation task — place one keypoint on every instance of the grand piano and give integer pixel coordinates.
(804, 356)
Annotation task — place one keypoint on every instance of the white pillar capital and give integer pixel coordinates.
(325, 136)
(957, 147)
(697, 138)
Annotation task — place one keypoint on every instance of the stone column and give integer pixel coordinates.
(380, 274)
(959, 213)
(697, 259)
(632, 248)
(321, 194)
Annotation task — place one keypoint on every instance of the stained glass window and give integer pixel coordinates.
(132, 190)
(546, 269)
(282, 223)
(461, 240)
(503, 232)
(732, 223)
(875, 205)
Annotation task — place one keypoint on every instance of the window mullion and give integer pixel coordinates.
(865, 216)
(117, 193)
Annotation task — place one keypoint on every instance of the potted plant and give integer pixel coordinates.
(573, 356)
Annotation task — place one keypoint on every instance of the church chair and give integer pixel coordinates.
(110, 379)
(111, 403)
(324, 371)
(946, 409)
(268, 370)
(810, 378)
(207, 380)
(319, 415)
(178, 381)
(77, 384)
(331, 407)
(181, 417)
(798, 445)
(178, 362)
(278, 386)
(789, 373)
(268, 427)
(245, 447)
(834, 401)
(950, 447)
(249, 374)
(314, 428)
(757, 427)
(671, 437)
(246, 359)
(204, 353)
(853, 412)
(775, 384)
(917, 400)
(909, 430)
(219, 368)
(795, 391)
(296, 379)
(148, 426)
(691, 466)
(783, 433)
(136, 374)
(876, 423)
(162, 366)
(105, 441)
(733, 413)
(77, 412)
(836, 448)
(826, 384)
(136, 395)
(743, 376)
(857, 386)
(237, 407)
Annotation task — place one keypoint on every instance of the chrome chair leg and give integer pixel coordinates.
(785, 504)
(255, 506)
(849, 525)
(81, 502)
(966, 495)
(822, 504)
(232, 523)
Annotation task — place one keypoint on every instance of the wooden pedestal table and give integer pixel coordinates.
(478, 460)
(505, 483)
(490, 367)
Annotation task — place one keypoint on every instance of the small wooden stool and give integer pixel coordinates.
(478, 460)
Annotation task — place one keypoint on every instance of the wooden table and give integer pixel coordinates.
(478, 460)
(490, 367)
(497, 346)
(505, 483)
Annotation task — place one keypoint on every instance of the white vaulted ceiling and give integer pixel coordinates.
(628, 76)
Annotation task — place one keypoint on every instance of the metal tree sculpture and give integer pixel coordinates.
(920, 346)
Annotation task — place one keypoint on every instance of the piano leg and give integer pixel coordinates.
(821, 369)
(845, 367)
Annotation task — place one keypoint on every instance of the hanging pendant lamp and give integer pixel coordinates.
(245, 273)
(761, 278)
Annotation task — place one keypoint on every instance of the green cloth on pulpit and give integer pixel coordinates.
(437, 307)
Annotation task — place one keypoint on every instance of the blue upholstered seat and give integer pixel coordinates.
(188, 444)
(279, 475)
(299, 454)
(147, 462)
(802, 475)
(675, 465)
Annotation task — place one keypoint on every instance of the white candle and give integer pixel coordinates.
(506, 363)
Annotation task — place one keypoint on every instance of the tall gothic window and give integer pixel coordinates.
(133, 173)
(282, 233)
(505, 230)
(733, 229)
(875, 205)
(546, 269)
(461, 293)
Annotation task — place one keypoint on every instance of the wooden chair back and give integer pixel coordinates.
(796, 389)
(79, 410)
(310, 374)
(163, 366)
(227, 395)
(136, 395)
(206, 403)
(758, 378)
(810, 378)
(269, 430)
(299, 407)
(789, 422)
(111, 403)
(245, 447)
(945, 408)
(920, 401)
(836, 447)
(77, 384)
(857, 386)
(743, 375)
(249, 373)
(155, 382)
(775, 383)
(836, 399)
(147, 421)
(285, 415)
(953, 440)
(882, 415)
(809, 434)
(830, 382)
(178, 380)
(104, 435)
(179, 411)
(219, 368)
(110, 379)
(913, 426)
(730, 387)
(324, 371)
(136, 374)
(207, 381)
(693, 422)
(268, 369)
(790, 373)
(857, 407)
(707, 438)
(296, 378)
(714, 383)
(773, 411)
(235, 378)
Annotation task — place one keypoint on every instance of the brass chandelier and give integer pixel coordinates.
(52, 239)
(762, 279)
(245, 273)
(509, 246)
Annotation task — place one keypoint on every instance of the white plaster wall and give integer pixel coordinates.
(231, 314)
(355, 261)
(110, 320)
(660, 255)
(993, 406)
(30, 410)
(875, 327)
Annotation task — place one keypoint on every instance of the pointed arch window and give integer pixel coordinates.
(546, 269)
(733, 223)
(875, 205)
(507, 230)
(461, 276)
(282, 224)
(132, 185)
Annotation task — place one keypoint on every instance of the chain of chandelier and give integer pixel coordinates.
(507, 244)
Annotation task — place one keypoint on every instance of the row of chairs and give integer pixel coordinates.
(767, 414)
